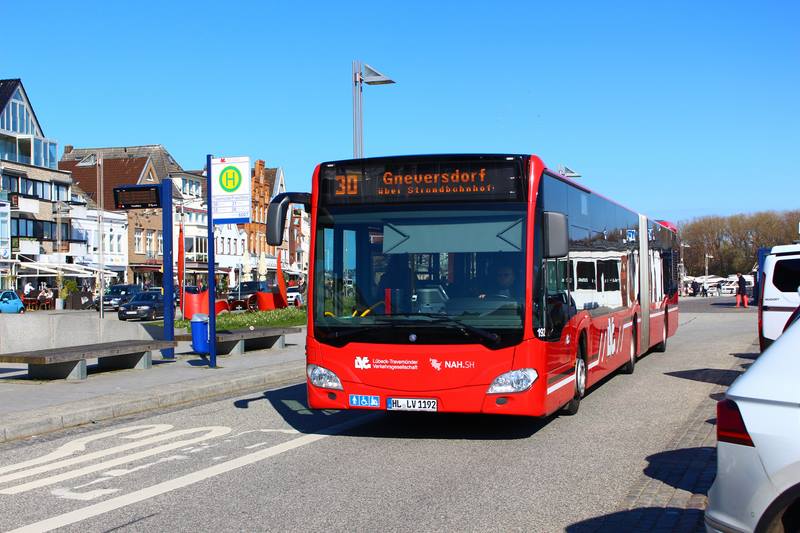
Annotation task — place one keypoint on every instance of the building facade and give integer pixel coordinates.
(111, 238)
(130, 165)
(40, 233)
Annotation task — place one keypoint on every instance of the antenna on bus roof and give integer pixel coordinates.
(568, 172)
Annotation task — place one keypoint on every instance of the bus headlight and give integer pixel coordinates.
(514, 381)
(323, 378)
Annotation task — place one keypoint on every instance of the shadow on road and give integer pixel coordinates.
(718, 376)
(642, 519)
(689, 469)
(290, 403)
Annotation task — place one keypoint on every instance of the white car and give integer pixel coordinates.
(292, 294)
(757, 487)
(780, 281)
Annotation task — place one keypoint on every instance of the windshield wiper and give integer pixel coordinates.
(437, 318)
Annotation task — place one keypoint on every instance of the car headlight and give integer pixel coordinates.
(144, 307)
(323, 378)
(514, 381)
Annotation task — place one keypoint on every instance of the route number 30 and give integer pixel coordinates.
(347, 185)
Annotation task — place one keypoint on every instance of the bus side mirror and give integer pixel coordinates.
(556, 237)
(276, 214)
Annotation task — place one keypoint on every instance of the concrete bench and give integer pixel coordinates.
(70, 362)
(237, 341)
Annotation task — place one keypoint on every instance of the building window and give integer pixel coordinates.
(149, 243)
(137, 240)
(10, 183)
(119, 244)
(160, 243)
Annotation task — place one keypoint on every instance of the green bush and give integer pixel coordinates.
(290, 316)
(70, 286)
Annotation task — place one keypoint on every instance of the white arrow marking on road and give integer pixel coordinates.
(79, 445)
(184, 481)
(211, 432)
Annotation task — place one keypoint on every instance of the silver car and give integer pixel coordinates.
(758, 445)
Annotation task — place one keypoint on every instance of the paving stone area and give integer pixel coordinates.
(670, 495)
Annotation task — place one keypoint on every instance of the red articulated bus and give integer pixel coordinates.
(474, 284)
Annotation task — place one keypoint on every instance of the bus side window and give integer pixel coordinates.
(558, 307)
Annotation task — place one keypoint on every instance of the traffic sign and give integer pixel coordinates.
(230, 188)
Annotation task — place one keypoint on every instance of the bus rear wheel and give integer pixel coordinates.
(572, 406)
(661, 347)
(630, 366)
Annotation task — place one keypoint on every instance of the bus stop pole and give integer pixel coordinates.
(212, 300)
(167, 220)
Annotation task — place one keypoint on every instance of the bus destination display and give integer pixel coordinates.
(388, 182)
(137, 197)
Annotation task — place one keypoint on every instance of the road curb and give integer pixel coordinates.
(55, 418)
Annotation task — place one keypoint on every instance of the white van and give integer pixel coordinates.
(779, 296)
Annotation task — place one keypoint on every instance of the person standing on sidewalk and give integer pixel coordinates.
(741, 290)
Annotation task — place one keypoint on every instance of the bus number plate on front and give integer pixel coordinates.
(412, 404)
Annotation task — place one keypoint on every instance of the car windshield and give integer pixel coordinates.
(429, 274)
(8, 296)
(146, 297)
(247, 286)
(118, 290)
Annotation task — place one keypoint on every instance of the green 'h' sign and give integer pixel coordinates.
(230, 178)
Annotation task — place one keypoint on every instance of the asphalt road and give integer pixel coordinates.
(265, 462)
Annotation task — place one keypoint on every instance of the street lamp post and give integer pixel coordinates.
(705, 281)
(100, 207)
(362, 73)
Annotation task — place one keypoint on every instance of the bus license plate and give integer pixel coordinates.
(411, 404)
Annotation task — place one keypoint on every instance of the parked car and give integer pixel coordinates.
(10, 302)
(779, 295)
(238, 296)
(294, 296)
(757, 487)
(147, 305)
(117, 295)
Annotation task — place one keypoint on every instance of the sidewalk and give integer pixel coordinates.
(30, 407)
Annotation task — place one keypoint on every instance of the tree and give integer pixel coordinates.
(733, 241)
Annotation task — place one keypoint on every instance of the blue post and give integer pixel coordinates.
(166, 233)
(212, 300)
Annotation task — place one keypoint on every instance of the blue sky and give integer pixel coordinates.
(677, 109)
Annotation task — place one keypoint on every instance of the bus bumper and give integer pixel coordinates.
(470, 399)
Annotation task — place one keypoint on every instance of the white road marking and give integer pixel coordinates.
(122, 471)
(79, 445)
(211, 432)
(94, 482)
(256, 445)
(109, 451)
(82, 496)
(183, 481)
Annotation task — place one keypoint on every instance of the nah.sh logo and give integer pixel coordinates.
(436, 364)
(362, 363)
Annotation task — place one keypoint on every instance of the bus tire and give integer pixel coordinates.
(661, 347)
(630, 366)
(571, 407)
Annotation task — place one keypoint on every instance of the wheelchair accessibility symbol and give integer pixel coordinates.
(230, 178)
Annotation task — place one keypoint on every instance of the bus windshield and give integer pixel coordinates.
(429, 274)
